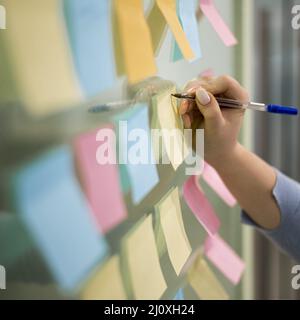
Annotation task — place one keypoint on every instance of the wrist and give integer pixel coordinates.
(229, 160)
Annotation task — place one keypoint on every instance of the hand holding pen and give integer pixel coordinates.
(221, 124)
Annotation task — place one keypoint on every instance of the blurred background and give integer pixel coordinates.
(265, 60)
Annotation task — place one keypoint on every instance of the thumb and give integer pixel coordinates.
(209, 107)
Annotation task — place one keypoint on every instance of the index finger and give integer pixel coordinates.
(227, 86)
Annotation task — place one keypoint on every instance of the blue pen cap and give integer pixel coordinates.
(282, 109)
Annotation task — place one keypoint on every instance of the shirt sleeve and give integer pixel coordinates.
(287, 235)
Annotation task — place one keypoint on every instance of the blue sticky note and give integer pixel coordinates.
(137, 138)
(55, 211)
(90, 30)
(179, 295)
(186, 12)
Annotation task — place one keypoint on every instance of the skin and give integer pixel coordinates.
(250, 179)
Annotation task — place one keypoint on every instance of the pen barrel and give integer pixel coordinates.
(273, 108)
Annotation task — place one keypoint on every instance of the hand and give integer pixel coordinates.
(221, 126)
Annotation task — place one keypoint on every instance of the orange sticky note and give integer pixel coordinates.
(135, 40)
(168, 9)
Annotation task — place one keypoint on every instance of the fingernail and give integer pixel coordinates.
(191, 89)
(203, 97)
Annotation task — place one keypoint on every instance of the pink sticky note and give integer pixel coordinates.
(200, 206)
(224, 258)
(212, 14)
(213, 179)
(101, 181)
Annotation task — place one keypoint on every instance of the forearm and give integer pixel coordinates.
(251, 181)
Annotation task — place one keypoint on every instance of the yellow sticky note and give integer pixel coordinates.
(168, 9)
(106, 284)
(172, 129)
(172, 224)
(40, 55)
(204, 282)
(119, 58)
(157, 25)
(135, 40)
(143, 262)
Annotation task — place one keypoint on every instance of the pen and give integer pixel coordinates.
(229, 103)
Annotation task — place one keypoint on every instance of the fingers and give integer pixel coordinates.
(226, 86)
(187, 121)
(187, 105)
(209, 108)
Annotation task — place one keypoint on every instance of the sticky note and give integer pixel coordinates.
(58, 217)
(137, 153)
(40, 56)
(210, 11)
(90, 33)
(101, 180)
(200, 206)
(171, 221)
(106, 283)
(168, 9)
(158, 27)
(224, 258)
(145, 272)
(186, 10)
(135, 40)
(172, 129)
(204, 282)
(179, 295)
(212, 178)
(118, 53)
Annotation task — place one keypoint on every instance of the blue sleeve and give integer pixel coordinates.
(287, 234)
